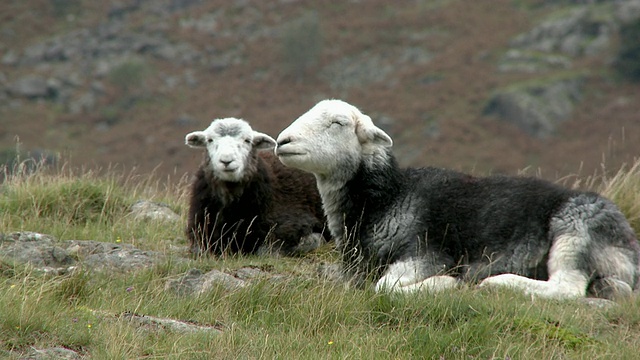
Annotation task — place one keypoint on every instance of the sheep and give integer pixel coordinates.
(434, 229)
(244, 200)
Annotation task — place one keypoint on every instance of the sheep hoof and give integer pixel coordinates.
(309, 243)
(610, 288)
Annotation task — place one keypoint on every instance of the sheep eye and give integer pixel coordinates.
(335, 122)
(248, 141)
(209, 141)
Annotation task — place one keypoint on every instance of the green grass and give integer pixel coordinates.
(298, 316)
(84, 205)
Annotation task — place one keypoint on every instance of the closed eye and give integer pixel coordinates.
(339, 120)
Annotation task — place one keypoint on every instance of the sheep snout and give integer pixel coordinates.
(286, 140)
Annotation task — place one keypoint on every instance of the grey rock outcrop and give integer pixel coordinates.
(47, 255)
(371, 67)
(44, 253)
(582, 28)
(578, 28)
(39, 250)
(149, 210)
(54, 353)
(195, 282)
(628, 11)
(576, 32)
(33, 87)
(103, 256)
(537, 108)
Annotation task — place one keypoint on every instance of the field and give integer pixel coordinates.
(293, 314)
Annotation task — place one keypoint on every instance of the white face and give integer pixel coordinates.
(332, 137)
(230, 144)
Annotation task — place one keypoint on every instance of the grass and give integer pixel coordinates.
(297, 316)
(85, 205)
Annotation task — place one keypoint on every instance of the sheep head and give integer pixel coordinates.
(331, 137)
(231, 145)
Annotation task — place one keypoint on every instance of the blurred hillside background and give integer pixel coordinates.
(496, 86)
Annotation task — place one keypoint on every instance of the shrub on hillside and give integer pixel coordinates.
(62, 8)
(128, 75)
(627, 62)
(301, 44)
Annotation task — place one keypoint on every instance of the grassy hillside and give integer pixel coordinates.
(298, 315)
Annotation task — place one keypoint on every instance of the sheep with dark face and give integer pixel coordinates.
(431, 228)
(244, 200)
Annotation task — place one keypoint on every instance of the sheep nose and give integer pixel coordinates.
(226, 162)
(284, 141)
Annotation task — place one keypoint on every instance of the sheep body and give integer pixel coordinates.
(430, 228)
(243, 200)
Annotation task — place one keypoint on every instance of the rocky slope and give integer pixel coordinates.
(480, 86)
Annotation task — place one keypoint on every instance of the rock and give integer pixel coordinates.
(178, 5)
(83, 104)
(537, 108)
(33, 54)
(194, 282)
(103, 256)
(10, 58)
(39, 250)
(581, 31)
(181, 53)
(248, 273)
(119, 11)
(370, 67)
(628, 11)
(54, 353)
(82, 55)
(207, 23)
(47, 255)
(155, 323)
(527, 61)
(148, 210)
(148, 322)
(31, 86)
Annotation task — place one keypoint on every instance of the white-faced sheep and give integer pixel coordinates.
(431, 228)
(244, 200)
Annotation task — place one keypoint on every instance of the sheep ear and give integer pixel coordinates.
(196, 139)
(263, 141)
(367, 132)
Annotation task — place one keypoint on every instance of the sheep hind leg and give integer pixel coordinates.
(566, 279)
(561, 285)
(407, 277)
